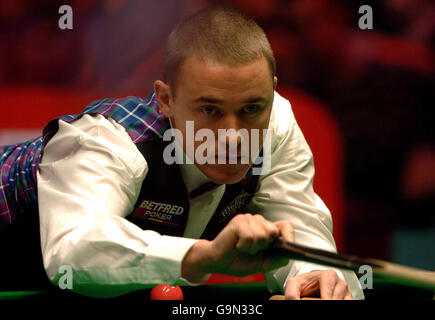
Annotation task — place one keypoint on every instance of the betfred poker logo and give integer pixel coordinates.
(158, 211)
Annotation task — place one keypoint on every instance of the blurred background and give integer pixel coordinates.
(377, 85)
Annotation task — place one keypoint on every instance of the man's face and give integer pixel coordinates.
(218, 96)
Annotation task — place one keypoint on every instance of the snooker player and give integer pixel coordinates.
(124, 220)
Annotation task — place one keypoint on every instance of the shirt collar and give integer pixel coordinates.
(192, 176)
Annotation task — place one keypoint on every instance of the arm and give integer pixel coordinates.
(286, 193)
(82, 208)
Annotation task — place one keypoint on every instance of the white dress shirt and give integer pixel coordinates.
(90, 177)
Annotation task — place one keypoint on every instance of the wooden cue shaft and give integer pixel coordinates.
(403, 274)
(387, 270)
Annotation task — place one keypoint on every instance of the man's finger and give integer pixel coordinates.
(242, 229)
(293, 289)
(286, 230)
(340, 290)
(271, 232)
(348, 296)
(310, 288)
(328, 281)
(265, 232)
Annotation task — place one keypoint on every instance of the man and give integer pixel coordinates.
(113, 209)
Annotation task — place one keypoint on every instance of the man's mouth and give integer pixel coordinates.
(227, 158)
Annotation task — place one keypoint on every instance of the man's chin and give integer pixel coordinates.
(225, 173)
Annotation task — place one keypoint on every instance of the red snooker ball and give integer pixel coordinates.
(166, 292)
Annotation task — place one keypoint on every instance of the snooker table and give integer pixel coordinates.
(255, 291)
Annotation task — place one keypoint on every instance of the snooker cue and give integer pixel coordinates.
(389, 271)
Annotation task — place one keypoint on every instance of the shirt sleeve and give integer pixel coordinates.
(89, 179)
(286, 193)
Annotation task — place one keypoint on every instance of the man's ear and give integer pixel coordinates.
(163, 94)
(275, 82)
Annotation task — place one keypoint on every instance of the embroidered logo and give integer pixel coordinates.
(238, 202)
(159, 212)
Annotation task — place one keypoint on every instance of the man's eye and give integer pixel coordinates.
(253, 108)
(209, 110)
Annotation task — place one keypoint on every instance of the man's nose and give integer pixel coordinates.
(231, 121)
(231, 126)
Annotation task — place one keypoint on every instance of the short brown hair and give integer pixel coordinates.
(222, 34)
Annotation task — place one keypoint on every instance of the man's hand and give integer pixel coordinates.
(238, 249)
(323, 283)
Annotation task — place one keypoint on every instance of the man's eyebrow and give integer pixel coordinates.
(255, 100)
(208, 100)
(218, 101)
